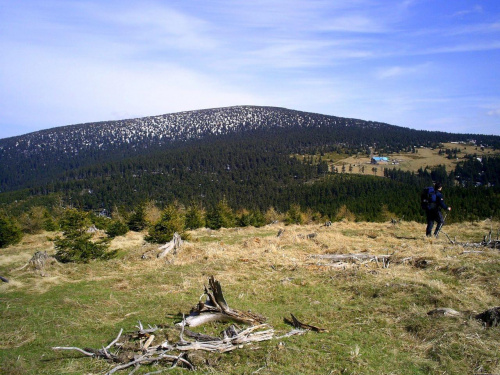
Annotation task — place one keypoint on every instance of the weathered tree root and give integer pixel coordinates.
(215, 308)
(149, 345)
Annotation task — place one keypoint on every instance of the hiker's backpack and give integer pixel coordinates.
(428, 198)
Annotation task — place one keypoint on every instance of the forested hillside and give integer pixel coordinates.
(256, 160)
(45, 156)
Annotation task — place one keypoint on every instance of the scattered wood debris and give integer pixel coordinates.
(232, 339)
(299, 325)
(154, 345)
(333, 259)
(487, 242)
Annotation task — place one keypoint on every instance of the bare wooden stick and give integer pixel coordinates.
(89, 354)
(298, 324)
(115, 340)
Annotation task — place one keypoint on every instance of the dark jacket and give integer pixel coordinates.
(440, 201)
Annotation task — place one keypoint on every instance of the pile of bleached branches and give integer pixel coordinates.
(487, 242)
(147, 346)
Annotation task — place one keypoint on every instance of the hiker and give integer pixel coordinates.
(433, 211)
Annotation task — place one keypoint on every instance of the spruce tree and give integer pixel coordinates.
(221, 216)
(76, 245)
(194, 217)
(10, 232)
(171, 221)
(137, 221)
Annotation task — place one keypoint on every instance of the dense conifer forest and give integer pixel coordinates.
(236, 178)
(258, 172)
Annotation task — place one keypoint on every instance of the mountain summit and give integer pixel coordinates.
(58, 154)
(162, 129)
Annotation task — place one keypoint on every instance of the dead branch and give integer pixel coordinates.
(4, 279)
(215, 308)
(299, 325)
(141, 347)
(147, 331)
(232, 339)
(87, 353)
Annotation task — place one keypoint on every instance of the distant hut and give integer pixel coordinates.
(380, 160)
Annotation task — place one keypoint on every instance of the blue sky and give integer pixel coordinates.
(422, 64)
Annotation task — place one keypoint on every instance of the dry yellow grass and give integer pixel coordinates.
(370, 311)
(258, 247)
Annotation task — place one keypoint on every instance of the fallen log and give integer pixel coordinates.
(343, 257)
(215, 308)
(338, 258)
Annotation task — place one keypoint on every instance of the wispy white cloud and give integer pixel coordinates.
(74, 61)
(398, 71)
(494, 112)
(474, 10)
(463, 47)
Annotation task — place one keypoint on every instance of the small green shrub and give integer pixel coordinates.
(76, 245)
(171, 221)
(116, 228)
(137, 221)
(194, 217)
(253, 218)
(10, 232)
(294, 215)
(221, 216)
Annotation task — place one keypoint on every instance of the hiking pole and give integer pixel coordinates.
(440, 225)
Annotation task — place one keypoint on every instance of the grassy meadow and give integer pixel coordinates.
(376, 317)
(424, 157)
